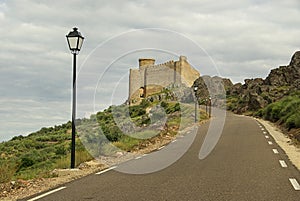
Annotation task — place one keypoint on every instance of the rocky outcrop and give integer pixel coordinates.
(286, 75)
(257, 93)
(214, 88)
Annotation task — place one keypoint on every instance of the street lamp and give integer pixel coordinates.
(206, 103)
(209, 106)
(196, 102)
(75, 41)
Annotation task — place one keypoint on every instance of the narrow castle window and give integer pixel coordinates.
(142, 92)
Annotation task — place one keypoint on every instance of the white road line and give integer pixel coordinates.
(269, 142)
(264, 132)
(174, 141)
(138, 157)
(295, 184)
(144, 155)
(275, 151)
(45, 194)
(282, 163)
(267, 137)
(106, 170)
(262, 129)
(160, 148)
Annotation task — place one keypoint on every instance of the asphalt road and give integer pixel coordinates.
(246, 164)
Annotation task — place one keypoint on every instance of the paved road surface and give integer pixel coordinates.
(245, 165)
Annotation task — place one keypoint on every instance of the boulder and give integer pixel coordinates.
(295, 61)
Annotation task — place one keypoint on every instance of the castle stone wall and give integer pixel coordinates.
(188, 73)
(152, 78)
(159, 77)
(136, 81)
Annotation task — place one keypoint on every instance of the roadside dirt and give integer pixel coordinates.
(22, 188)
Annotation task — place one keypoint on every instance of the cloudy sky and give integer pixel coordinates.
(237, 39)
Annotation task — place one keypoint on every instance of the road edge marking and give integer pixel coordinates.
(48, 193)
(106, 170)
(282, 163)
(295, 184)
(269, 142)
(161, 147)
(275, 151)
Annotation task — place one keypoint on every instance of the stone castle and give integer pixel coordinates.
(151, 78)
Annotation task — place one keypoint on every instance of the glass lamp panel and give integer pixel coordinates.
(80, 42)
(72, 43)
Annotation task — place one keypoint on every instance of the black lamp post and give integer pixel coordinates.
(196, 102)
(75, 41)
(209, 106)
(206, 103)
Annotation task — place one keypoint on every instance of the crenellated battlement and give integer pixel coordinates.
(150, 63)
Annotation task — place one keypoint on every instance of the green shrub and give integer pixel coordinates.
(136, 110)
(170, 107)
(113, 133)
(61, 150)
(259, 113)
(177, 107)
(20, 137)
(293, 121)
(275, 112)
(127, 143)
(285, 111)
(26, 161)
(164, 104)
(7, 171)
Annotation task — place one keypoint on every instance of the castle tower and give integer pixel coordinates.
(146, 62)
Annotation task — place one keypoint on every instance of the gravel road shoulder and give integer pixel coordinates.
(284, 142)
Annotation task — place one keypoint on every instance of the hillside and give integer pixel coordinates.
(276, 98)
(257, 93)
(36, 155)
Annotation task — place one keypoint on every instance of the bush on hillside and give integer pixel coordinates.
(285, 111)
